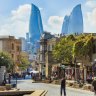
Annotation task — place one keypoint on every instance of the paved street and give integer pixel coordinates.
(53, 90)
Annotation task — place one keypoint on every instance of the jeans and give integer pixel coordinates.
(63, 90)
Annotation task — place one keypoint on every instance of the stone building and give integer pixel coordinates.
(51, 65)
(48, 64)
(12, 46)
(42, 51)
(44, 54)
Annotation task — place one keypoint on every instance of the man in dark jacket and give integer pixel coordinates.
(9, 79)
(94, 85)
(63, 86)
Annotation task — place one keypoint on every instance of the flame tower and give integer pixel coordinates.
(35, 25)
(74, 23)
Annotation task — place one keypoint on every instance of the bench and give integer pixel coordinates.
(14, 92)
(44, 93)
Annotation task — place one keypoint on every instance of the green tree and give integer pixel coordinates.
(63, 50)
(83, 47)
(24, 62)
(72, 47)
(6, 60)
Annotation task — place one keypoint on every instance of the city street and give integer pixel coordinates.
(53, 90)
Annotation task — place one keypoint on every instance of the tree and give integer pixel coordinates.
(6, 60)
(24, 62)
(63, 49)
(83, 47)
(72, 47)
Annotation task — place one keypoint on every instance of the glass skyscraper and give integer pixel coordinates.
(73, 24)
(65, 25)
(35, 26)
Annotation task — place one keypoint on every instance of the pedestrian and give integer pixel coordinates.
(63, 86)
(24, 75)
(9, 79)
(41, 75)
(94, 85)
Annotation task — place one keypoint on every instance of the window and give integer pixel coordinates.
(12, 55)
(48, 47)
(41, 48)
(45, 47)
(40, 58)
(12, 46)
(18, 49)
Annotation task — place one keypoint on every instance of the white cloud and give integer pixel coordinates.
(55, 24)
(18, 23)
(91, 3)
(21, 13)
(40, 8)
(90, 16)
(54, 21)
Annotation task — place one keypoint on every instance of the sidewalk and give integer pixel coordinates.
(74, 89)
(70, 84)
(79, 90)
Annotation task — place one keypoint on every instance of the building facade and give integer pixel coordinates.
(81, 68)
(51, 64)
(42, 51)
(12, 46)
(23, 44)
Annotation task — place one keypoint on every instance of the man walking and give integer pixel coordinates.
(63, 86)
(94, 85)
(9, 79)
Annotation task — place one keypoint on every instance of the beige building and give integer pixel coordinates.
(50, 62)
(41, 55)
(11, 45)
(85, 66)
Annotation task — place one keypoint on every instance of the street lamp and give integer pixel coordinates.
(75, 69)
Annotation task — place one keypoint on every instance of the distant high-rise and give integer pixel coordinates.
(65, 25)
(27, 37)
(74, 23)
(23, 44)
(35, 26)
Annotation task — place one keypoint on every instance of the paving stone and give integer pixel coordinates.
(53, 90)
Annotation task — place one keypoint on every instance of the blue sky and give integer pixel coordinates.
(15, 14)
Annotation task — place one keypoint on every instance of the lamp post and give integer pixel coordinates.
(75, 69)
(16, 81)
